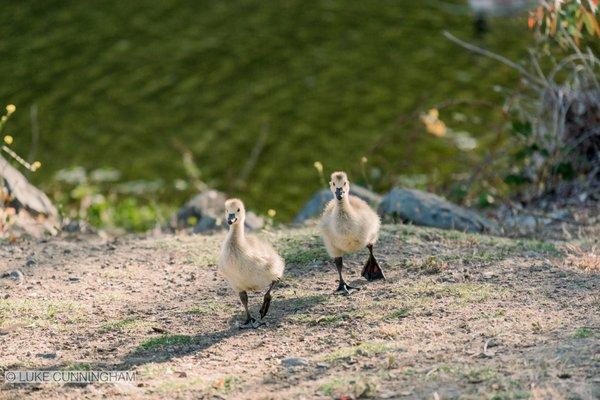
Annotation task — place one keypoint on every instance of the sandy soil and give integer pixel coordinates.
(460, 316)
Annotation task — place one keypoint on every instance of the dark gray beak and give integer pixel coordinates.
(339, 193)
(231, 218)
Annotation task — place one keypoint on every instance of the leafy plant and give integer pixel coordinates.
(100, 198)
(566, 20)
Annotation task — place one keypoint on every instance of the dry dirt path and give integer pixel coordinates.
(463, 316)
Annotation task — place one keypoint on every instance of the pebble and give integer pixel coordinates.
(294, 362)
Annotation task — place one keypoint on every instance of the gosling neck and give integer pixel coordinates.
(344, 204)
(237, 231)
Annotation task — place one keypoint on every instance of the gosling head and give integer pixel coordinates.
(339, 185)
(234, 211)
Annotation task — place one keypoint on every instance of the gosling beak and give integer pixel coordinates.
(339, 193)
(231, 218)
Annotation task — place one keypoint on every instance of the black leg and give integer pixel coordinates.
(372, 271)
(249, 320)
(267, 301)
(343, 287)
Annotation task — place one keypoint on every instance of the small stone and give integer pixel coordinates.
(15, 275)
(31, 262)
(47, 356)
(294, 362)
(361, 352)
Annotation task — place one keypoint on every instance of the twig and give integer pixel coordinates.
(494, 56)
(35, 133)
(253, 159)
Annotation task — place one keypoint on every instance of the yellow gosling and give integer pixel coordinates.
(247, 262)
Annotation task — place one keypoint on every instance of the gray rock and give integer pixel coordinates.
(47, 356)
(15, 275)
(206, 224)
(428, 209)
(210, 203)
(524, 224)
(254, 222)
(294, 362)
(314, 207)
(77, 226)
(208, 208)
(24, 193)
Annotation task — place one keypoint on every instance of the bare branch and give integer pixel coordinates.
(494, 56)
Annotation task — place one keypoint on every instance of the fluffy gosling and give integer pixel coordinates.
(348, 224)
(248, 263)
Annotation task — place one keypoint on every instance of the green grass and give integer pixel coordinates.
(399, 313)
(463, 293)
(583, 333)
(334, 319)
(302, 247)
(79, 366)
(165, 341)
(227, 384)
(330, 387)
(122, 84)
(350, 387)
(511, 395)
(41, 313)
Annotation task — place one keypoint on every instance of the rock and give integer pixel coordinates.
(524, 224)
(210, 203)
(47, 356)
(428, 209)
(254, 222)
(77, 226)
(294, 362)
(15, 275)
(521, 224)
(24, 193)
(207, 223)
(208, 209)
(314, 207)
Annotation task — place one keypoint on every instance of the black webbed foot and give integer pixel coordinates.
(372, 271)
(346, 289)
(250, 324)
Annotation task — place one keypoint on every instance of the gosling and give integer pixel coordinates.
(348, 224)
(248, 263)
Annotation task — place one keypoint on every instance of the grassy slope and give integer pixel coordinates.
(469, 315)
(117, 83)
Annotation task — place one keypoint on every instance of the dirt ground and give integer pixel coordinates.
(459, 316)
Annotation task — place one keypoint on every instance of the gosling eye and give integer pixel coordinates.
(238, 210)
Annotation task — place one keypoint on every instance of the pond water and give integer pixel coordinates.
(127, 86)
